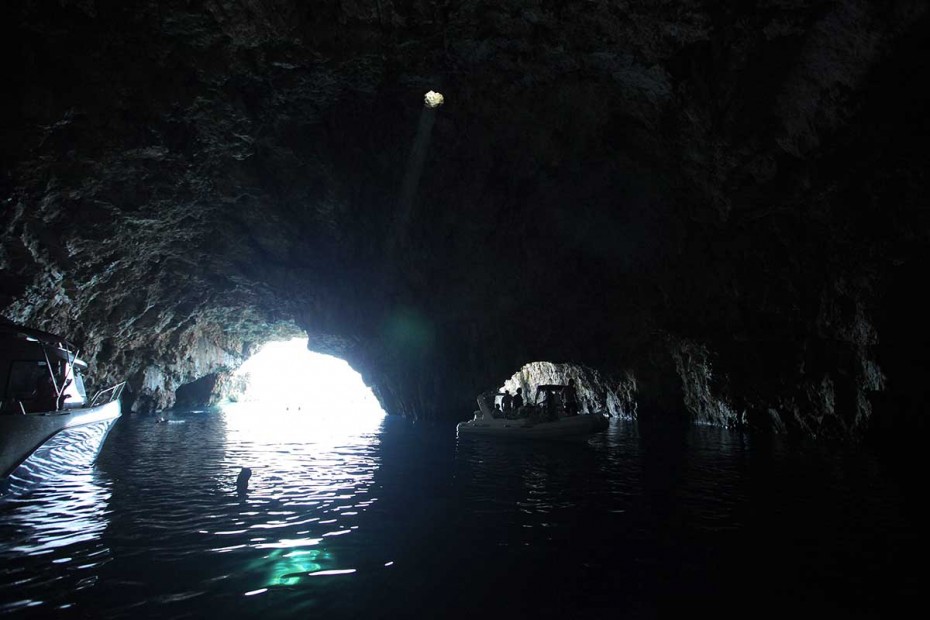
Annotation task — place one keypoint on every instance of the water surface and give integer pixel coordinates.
(385, 518)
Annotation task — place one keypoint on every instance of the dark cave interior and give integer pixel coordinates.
(720, 210)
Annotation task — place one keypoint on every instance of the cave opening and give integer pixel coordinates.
(287, 376)
(597, 391)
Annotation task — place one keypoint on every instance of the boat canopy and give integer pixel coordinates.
(9, 328)
(53, 345)
(550, 387)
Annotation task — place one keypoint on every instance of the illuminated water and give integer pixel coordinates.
(386, 519)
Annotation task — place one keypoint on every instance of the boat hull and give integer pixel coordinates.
(21, 435)
(570, 426)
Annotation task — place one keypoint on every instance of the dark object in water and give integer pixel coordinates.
(242, 481)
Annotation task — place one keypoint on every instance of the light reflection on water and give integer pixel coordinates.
(51, 534)
(177, 505)
(311, 478)
(384, 518)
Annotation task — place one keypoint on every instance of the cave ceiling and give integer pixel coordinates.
(716, 195)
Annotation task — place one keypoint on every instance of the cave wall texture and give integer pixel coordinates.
(724, 200)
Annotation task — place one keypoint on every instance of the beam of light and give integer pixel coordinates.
(406, 203)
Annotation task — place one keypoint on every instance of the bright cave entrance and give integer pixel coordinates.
(285, 376)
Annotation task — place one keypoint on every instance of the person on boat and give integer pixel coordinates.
(570, 398)
(507, 403)
(63, 396)
(552, 407)
(535, 414)
(46, 395)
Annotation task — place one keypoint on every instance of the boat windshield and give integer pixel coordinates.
(24, 376)
(23, 389)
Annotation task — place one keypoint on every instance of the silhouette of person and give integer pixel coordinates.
(63, 397)
(518, 399)
(507, 402)
(552, 410)
(46, 394)
(242, 480)
(570, 398)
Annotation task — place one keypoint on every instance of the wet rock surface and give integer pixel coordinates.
(724, 202)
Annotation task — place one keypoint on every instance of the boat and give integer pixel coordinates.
(42, 396)
(546, 418)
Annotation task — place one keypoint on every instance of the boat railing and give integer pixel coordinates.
(108, 395)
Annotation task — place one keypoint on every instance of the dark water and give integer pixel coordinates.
(387, 519)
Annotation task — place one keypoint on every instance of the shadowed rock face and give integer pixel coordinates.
(720, 203)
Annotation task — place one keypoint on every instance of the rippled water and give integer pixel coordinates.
(385, 518)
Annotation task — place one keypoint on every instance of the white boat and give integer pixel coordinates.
(567, 426)
(545, 419)
(42, 395)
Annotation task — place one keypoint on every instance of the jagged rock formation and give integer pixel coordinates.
(595, 392)
(725, 202)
